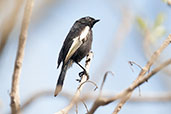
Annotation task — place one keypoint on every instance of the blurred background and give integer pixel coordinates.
(127, 31)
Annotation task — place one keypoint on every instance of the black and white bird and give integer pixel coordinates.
(75, 47)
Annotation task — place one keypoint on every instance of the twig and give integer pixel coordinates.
(104, 79)
(120, 104)
(137, 82)
(132, 63)
(15, 100)
(85, 105)
(90, 82)
(76, 108)
(77, 94)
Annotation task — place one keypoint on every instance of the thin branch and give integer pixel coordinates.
(147, 97)
(132, 63)
(90, 82)
(104, 79)
(76, 108)
(137, 82)
(155, 97)
(85, 105)
(121, 103)
(15, 99)
(77, 93)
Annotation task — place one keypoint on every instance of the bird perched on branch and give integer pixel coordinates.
(75, 47)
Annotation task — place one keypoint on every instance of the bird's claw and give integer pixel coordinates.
(84, 73)
(81, 74)
(79, 80)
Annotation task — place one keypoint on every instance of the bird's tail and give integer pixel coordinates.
(60, 80)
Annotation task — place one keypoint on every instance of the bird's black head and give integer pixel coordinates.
(88, 21)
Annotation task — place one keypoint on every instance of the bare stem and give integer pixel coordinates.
(15, 99)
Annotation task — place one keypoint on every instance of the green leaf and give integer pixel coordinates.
(142, 24)
(159, 20)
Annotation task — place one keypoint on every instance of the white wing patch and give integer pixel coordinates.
(84, 33)
(75, 45)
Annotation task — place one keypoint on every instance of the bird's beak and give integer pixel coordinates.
(95, 21)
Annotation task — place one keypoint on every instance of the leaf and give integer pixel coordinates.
(159, 20)
(142, 24)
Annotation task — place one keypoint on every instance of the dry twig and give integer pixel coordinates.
(85, 105)
(104, 79)
(132, 63)
(15, 100)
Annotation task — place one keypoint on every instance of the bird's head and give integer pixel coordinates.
(88, 21)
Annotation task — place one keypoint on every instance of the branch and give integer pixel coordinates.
(104, 79)
(15, 99)
(137, 82)
(35, 97)
(143, 71)
(77, 93)
(148, 97)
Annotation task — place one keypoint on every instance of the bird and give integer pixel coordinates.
(76, 46)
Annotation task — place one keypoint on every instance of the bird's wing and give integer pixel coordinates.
(75, 45)
(77, 42)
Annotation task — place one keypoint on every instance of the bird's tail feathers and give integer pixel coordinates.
(60, 80)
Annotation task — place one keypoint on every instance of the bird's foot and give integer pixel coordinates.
(81, 76)
(84, 73)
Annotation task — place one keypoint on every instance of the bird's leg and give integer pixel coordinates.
(83, 72)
